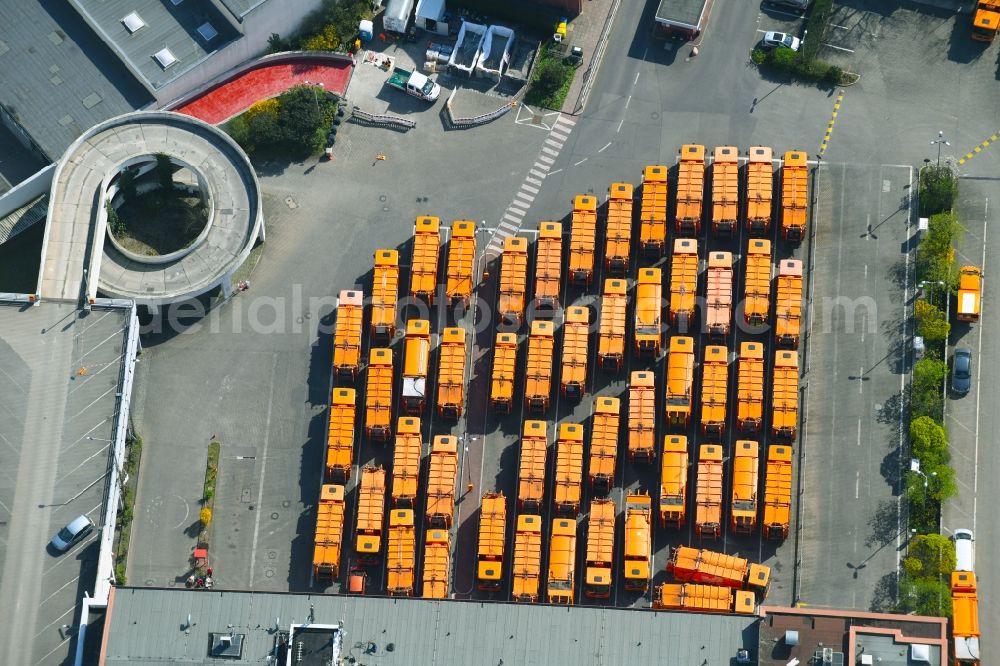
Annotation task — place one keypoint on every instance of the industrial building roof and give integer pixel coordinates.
(147, 625)
(158, 39)
(240, 8)
(682, 12)
(58, 77)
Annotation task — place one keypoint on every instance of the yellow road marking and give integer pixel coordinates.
(833, 121)
(978, 149)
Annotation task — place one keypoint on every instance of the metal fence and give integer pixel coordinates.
(392, 122)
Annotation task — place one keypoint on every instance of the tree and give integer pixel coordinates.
(924, 596)
(126, 184)
(929, 555)
(928, 441)
(938, 189)
(115, 222)
(205, 516)
(551, 74)
(926, 397)
(941, 484)
(301, 119)
(164, 171)
(931, 322)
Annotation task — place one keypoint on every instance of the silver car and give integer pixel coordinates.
(73, 533)
(781, 40)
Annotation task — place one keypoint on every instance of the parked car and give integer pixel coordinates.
(73, 533)
(781, 40)
(799, 6)
(964, 556)
(961, 370)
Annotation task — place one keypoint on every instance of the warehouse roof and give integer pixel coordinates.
(148, 625)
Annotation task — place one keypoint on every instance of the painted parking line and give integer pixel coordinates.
(839, 48)
(978, 149)
(833, 121)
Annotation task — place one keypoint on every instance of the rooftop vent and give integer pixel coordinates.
(165, 58)
(207, 31)
(920, 654)
(133, 22)
(225, 645)
(791, 637)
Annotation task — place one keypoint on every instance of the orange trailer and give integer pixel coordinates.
(673, 481)
(329, 535)
(604, 443)
(788, 305)
(760, 186)
(385, 293)
(538, 378)
(406, 463)
(708, 501)
(965, 618)
(757, 282)
(437, 564)
(725, 190)
(371, 514)
(690, 189)
(680, 380)
(400, 553)
(576, 338)
(548, 266)
(504, 369)
(347, 335)
(569, 470)
(777, 491)
(714, 390)
(451, 374)
(743, 511)
(653, 212)
(618, 247)
(706, 566)
(582, 240)
(442, 474)
(719, 296)
(378, 396)
(531, 469)
(785, 401)
(600, 549)
(416, 359)
(426, 253)
(648, 310)
(492, 536)
(340, 436)
(750, 387)
(794, 195)
(611, 341)
(683, 282)
(642, 417)
(461, 263)
(527, 569)
(513, 281)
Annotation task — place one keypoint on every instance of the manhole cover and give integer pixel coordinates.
(286, 504)
(269, 573)
(274, 516)
(654, 115)
(272, 554)
(536, 120)
(290, 202)
(382, 198)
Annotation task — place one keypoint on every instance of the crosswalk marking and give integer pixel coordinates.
(549, 151)
(547, 160)
(529, 188)
(527, 197)
(533, 181)
(536, 173)
(513, 218)
(554, 143)
(558, 135)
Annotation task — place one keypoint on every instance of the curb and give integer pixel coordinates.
(595, 63)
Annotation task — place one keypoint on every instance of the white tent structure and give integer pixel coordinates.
(467, 48)
(495, 52)
(430, 16)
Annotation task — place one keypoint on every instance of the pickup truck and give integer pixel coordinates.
(414, 83)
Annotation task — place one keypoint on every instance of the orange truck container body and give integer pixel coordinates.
(683, 281)
(642, 417)
(714, 390)
(548, 266)
(750, 387)
(777, 491)
(725, 190)
(426, 254)
(562, 561)
(653, 212)
(347, 335)
(576, 338)
(461, 263)
(706, 566)
(604, 443)
(406, 463)
(371, 511)
(674, 481)
(743, 511)
(416, 359)
(583, 239)
(970, 292)
(719, 296)
(513, 280)
(569, 470)
(600, 549)
(986, 20)
(526, 571)
(757, 282)
(538, 378)
(965, 618)
(442, 473)
(437, 564)
(680, 379)
(378, 396)
(329, 532)
(385, 293)
(788, 306)
(611, 340)
(690, 189)
(492, 536)
(648, 311)
(759, 192)
(708, 500)
(794, 195)
(531, 468)
(638, 541)
(694, 598)
(785, 403)
(340, 436)
(504, 369)
(400, 553)
(618, 247)
(451, 374)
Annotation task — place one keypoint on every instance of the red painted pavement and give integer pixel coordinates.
(235, 95)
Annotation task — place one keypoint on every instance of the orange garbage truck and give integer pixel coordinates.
(562, 561)
(719, 296)
(371, 515)
(426, 253)
(378, 396)
(743, 510)
(970, 293)
(513, 281)
(638, 541)
(442, 474)
(965, 618)
(406, 463)
(777, 491)
(714, 390)
(750, 387)
(451, 374)
(611, 339)
(618, 246)
(690, 189)
(794, 196)
(694, 598)
(986, 20)
(504, 369)
(673, 481)
(576, 338)
(757, 282)
(600, 549)
(648, 309)
(385, 294)
(604, 443)
(683, 282)
(680, 379)
(642, 417)
(569, 470)
(708, 500)
(531, 468)
(785, 400)
(461, 263)
(691, 565)
(788, 304)
(347, 335)
(538, 378)
(582, 240)
(653, 212)
(548, 267)
(329, 532)
(340, 437)
(437, 563)
(492, 536)
(759, 190)
(725, 190)
(400, 553)
(526, 570)
(416, 359)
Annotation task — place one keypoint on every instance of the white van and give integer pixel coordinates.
(964, 556)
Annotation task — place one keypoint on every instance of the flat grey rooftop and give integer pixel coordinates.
(687, 12)
(144, 627)
(240, 8)
(60, 373)
(164, 25)
(58, 77)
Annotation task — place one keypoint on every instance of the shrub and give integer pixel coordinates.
(931, 322)
(115, 223)
(797, 65)
(164, 171)
(938, 189)
(816, 26)
(928, 442)
(929, 555)
(924, 596)
(758, 56)
(126, 184)
(550, 82)
(941, 483)
(205, 516)
(324, 40)
(926, 398)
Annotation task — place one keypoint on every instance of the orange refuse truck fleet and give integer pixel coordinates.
(638, 541)
(426, 253)
(604, 443)
(680, 379)
(562, 561)
(794, 196)
(777, 491)
(437, 564)
(788, 304)
(442, 473)
(513, 281)
(569, 470)
(538, 377)
(706, 566)
(694, 598)
(385, 293)
(683, 282)
(653, 212)
(451, 374)
(531, 468)
(340, 436)
(970, 293)
(648, 310)
(690, 189)
(785, 399)
(582, 240)
(401, 553)
(548, 266)
(492, 536)
(760, 190)
(714, 390)
(416, 359)
(965, 618)
(673, 481)
(600, 549)
(725, 190)
(406, 462)
(743, 510)
(378, 396)
(576, 338)
(329, 532)
(526, 570)
(371, 510)
(611, 338)
(642, 417)
(719, 295)
(757, 282)
(750, 387)
(461, 263)
(347, 335)
(504, 369)
(618, 232)
(708, 492)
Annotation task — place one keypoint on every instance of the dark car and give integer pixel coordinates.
(798, 6)
(961, 370)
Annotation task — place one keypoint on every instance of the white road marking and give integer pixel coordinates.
(541, 165)
(979, 376)
(263, 468)
(533, 190)
(533, 181)
(552, 142)
(857, 484)
(513, 218)
(508, 225)
(859, 432)
(839, 48)
(549, 151)
(606, 146)
(628, 101)
(539, 174)
(554, 172)
(566, 120)
(580, 162)
(636, 80)
(620, 123)
(547, 160)
(526, 197)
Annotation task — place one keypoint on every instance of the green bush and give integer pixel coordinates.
(331, 26)
(929, 555)
(928, 442)
(941, 482)
(932, 325)
(930, 597)
(795, 64)
(550, 82)
(293, 124)
(758, 56)
(926, 397)
(938, 189)
(816, 27)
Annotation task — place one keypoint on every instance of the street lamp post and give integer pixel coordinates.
(315, 85)
(915, 467)
(937, 142)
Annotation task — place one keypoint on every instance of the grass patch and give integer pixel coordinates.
(550, 82)
(211, 472)
(158, 222)
(133, 454)
(796, 65)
